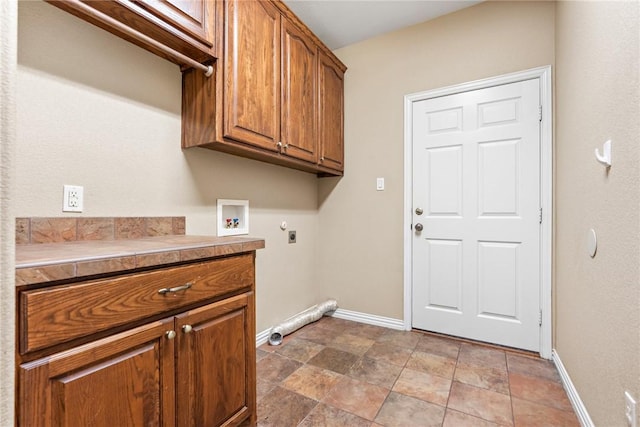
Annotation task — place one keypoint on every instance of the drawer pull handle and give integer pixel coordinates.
(176, 289)
(171, 334)
(187, 328)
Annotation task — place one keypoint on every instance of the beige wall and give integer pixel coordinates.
(96, 111)
(8, 54)
(597, 325)
(361, 251)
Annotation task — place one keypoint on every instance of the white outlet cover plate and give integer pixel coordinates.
(72, 198)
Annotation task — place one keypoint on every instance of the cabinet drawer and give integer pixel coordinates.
(57, 314)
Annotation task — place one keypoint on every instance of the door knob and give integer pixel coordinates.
(170, 334)
(419, 211)
(187, 328)
(418, 227)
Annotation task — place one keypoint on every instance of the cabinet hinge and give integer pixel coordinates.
(540, 113)
(540, 217)
(540, 318)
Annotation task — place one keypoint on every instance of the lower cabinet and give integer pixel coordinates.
(215, 364)
(195, 368)
(124, 380)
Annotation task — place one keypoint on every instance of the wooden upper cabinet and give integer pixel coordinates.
(193, 17)
(252, 73)
(331, 113)
(270, 81)
(185, 26)
(270, 98)
(298, 125)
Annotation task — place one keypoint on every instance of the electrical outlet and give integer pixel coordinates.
(72, 198)
(292, 236)
(630, 410)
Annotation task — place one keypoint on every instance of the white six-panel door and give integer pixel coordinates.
(476, 180)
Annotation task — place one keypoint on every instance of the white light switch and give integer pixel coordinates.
(379, 184)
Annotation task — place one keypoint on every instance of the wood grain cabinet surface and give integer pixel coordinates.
(331, 113)
(267, 99)
(188, 362)
(276, 92)
(186, 26)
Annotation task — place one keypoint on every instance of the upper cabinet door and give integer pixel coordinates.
(194, 17)
(331, 114)
(252, 73)
(185, 26)
(299, 76)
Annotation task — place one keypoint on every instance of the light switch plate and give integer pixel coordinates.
(380, 184)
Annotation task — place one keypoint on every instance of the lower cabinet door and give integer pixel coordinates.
(215, 364)
(123, 380)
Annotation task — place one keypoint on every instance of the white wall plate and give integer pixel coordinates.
(232, 217)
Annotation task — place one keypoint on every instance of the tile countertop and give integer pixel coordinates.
(47, 262)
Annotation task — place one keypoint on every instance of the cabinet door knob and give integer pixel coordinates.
(285, 147)
(279, 145)
(322, 159)
(170, 334)
(187, 328)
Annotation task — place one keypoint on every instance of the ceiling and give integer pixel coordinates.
(339, 23)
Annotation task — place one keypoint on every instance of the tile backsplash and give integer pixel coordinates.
(57, 229)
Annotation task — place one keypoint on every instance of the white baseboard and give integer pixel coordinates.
(370, 319)
(576, 402)
(262, 337)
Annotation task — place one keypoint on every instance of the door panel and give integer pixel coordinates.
(213, 364)
(445, 273)
(122, 380)
(298, 127)
(252, 73)
(498, 279)
(476, 175)
(445, 181)
(330, 113)
(192, 16)
(498, 172)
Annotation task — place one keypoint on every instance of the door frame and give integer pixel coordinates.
(546, 188)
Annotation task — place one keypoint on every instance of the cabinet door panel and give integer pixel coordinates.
(123, 380)
(194, 17)
(167, 22)
(331, 114)
(252, 73)
(298, 124)
(215, 363)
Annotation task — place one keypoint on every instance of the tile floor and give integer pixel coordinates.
(340, 373)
